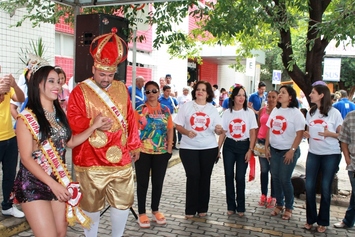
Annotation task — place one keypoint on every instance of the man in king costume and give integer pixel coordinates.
(103, 162)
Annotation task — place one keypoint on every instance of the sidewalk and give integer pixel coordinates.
(256, 222)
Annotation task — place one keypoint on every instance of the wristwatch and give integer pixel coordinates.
(293, 149)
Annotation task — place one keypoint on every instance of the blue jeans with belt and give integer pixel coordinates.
(328, 166)
(234, 154)
(281, 176)
(8, 158)
(349, 219)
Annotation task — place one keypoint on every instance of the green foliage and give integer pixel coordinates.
(347, 72)
(35, 47)
(300, 29)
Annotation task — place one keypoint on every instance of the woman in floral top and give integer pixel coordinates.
(156, 133)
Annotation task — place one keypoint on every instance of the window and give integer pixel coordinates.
(64, 45)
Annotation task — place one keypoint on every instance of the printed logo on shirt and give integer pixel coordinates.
(320, 123)
(237, 128)
(278, 125)
(200, 121)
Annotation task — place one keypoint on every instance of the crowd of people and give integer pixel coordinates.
(110, 137)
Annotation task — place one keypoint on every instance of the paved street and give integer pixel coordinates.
(256, 222)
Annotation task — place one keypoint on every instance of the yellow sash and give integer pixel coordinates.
(73, 211)
(109, 104)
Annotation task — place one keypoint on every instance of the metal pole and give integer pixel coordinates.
(76, 13)
(134, 69)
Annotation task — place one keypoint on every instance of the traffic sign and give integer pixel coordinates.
(142, 11)
(276, 77)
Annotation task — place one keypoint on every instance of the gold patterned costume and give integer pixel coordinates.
(103, 162)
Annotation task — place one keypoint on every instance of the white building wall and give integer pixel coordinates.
(12, 39)
(227, 77)
(164, 64)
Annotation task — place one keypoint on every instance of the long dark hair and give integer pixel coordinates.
(34, 104)
(210, 93)
(325, 103)
(234, 94)
(291, 92)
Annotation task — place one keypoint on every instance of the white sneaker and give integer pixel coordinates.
(13, 211)
(340, 225)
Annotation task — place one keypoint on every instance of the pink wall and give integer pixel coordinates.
(63, 27)
(146, 45)
(141, 71)
(66, 64)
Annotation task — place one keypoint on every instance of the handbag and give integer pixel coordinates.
(259, 149)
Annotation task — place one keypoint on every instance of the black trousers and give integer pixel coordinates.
(157, 163)
(198, 165)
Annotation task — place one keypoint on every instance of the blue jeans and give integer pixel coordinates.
(349, 219)
(281, 176)
(264, 176)
(328, 166)
(8, 158)
(234, 154)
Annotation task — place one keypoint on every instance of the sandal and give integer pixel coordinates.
(202, 214)
(189, 216)
(321, 229)
(229, 213)
(240, 214)
(287, 214)
(308, 226)
(143, 221)
(271, 202)
(262, 201)
(159, 218)
(276, 210)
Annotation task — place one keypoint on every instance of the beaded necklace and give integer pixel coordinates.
(51, 117)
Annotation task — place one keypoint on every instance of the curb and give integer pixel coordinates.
(10, 225)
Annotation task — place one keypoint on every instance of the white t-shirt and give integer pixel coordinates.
(238, 123)
(216, 97)
(182, 99)
(317, 144)
(283, 124)
(202, 120)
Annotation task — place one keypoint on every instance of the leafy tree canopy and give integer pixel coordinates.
(301, 29)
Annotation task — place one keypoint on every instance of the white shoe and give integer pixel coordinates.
(340, 225)
(13, 211)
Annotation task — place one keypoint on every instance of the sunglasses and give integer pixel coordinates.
(154, 91)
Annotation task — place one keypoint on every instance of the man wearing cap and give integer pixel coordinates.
(103, 162)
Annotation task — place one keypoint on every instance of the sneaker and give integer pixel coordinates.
(262, 201)
(340, 225)
(13, 211)
(271, 202)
